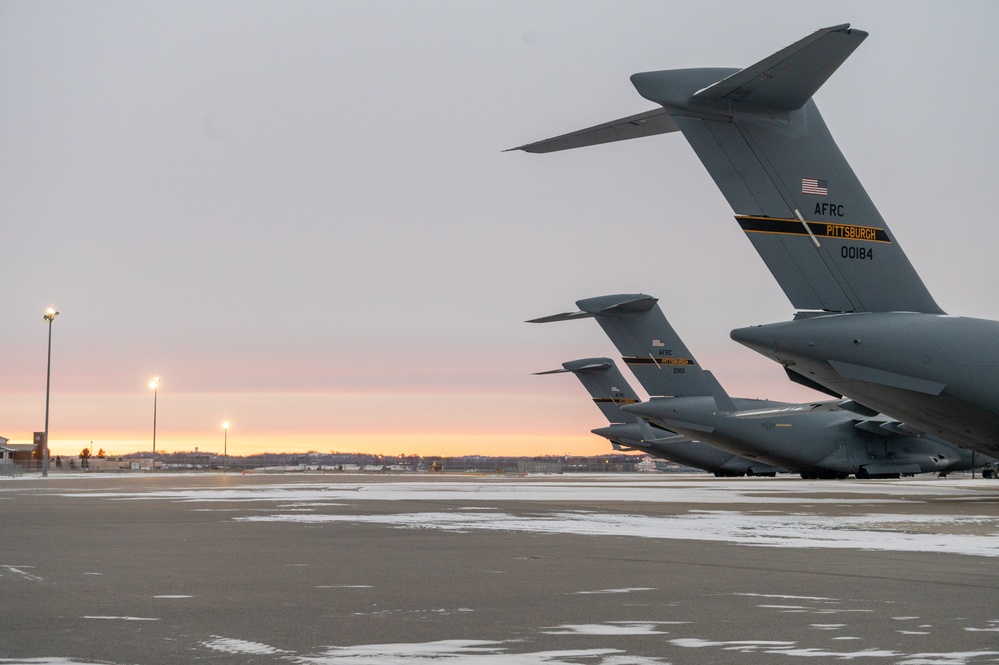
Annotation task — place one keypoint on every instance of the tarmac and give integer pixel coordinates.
(617, 569)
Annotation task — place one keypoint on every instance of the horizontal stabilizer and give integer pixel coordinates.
(788, 78)
(565, 316)
(622, 303)
(588, 364)
(649, 123)
(627, 303)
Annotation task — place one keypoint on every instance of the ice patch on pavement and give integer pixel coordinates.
(767, 530)
(17, 571)
(230, 645)
(784, 648)
(783, 596)
(953, 658)
(624, 590)
(597, 488)
(470, 652)
(49, 660)
(740, 645)
(611, 628)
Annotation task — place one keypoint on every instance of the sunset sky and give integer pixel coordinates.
(299, 214)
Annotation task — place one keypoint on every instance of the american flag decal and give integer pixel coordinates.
(657, 342)
(814, 186)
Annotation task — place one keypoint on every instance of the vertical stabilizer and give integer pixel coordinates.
(722, 400)
(762, 139)
(648, 344)
(605, 384)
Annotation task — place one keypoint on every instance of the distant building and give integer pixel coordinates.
(14, 452)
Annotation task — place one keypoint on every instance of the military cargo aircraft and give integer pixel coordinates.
(610, 392)
(816, 440)
(867, 327)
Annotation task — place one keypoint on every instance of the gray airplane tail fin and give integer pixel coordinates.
(722, 400)
(650, 347)
(763, 141)
(606, 385)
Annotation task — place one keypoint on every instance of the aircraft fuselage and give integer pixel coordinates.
(938, 373)
(808, 439)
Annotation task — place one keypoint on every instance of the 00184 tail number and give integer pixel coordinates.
(854, 252)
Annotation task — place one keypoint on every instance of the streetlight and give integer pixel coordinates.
(154, 384)
(50, 315)
(225, 445)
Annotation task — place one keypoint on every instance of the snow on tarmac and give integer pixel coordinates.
(761, 520)
(870, 532)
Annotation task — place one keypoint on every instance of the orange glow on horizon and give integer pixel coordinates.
(423, 444)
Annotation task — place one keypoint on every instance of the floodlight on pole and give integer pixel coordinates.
(50, 315)
(154, 384)
(225, 445)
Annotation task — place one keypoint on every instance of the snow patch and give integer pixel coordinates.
(763, 530)
(230, 645)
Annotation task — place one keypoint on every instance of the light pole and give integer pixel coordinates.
(225, 445)
(50, 315)
(154, 384)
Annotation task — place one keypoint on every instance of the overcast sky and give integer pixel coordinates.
(299, 214)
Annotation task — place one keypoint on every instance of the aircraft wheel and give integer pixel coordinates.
(862, 474)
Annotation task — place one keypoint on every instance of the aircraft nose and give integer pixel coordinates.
(758, 338)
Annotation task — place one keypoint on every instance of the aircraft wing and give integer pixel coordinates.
(650, 123)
